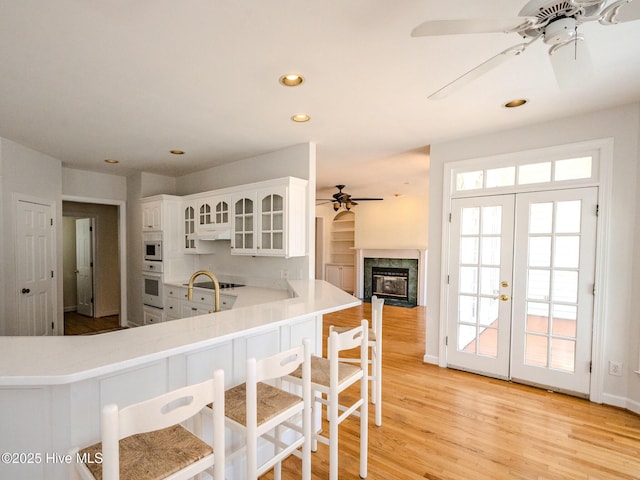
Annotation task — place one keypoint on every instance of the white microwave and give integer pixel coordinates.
(153, 250)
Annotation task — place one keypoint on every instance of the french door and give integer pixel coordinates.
(521, 283)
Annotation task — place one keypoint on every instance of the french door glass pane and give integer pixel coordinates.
(470, 223)
(565, 286)
(467, 309)
(568, 216)
(469, 279)
(491, 220)
(538, 285)
(540, 217)
(537, 317)
(488, 342)
(489, 280)
(567, 252)
(469, 250)
(536, 350)
(488, 311)
(563, 352)
(540, 251)
(491, 251)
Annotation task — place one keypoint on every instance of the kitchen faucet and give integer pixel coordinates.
(216, 287)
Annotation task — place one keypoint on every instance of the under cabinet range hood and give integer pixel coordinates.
(210, 235)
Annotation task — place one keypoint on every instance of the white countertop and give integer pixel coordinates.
(66, 359)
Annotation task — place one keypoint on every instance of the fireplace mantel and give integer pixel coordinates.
(413, 253)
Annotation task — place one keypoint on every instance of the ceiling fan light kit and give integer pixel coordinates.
(555, 21)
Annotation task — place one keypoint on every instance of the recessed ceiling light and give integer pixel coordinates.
(177, 152)
(301, 118)
(291, 80)
(111, 160)
(515, 103)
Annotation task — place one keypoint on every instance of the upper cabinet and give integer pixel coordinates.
(270, 220)
(152, 216)
(264, 218)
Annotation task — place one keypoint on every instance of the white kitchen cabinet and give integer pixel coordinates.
(202, 302)
(212, 213)
(342, 276)
(152, 216)
(152, 315)
(189, 227)
(270, 221)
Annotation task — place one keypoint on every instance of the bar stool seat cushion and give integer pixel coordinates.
(153, 455)
(271, 402)
(320, 368)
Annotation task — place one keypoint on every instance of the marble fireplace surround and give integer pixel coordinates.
(409, 253)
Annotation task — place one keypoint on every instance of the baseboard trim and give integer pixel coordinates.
(432, 359)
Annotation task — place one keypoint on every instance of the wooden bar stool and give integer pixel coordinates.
(262, 411)
(330, 377)
(375, 343)
(146, 441)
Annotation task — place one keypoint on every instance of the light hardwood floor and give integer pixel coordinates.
(444, 424)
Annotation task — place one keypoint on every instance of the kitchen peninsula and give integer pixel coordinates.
(53, 388)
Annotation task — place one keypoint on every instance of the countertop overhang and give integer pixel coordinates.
(37, 361)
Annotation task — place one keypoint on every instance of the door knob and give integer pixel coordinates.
(504, 284)
(25, 290)
(504, 298)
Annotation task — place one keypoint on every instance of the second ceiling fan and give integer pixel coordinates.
(343, 198)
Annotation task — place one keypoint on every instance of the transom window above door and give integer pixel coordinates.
(525, 174)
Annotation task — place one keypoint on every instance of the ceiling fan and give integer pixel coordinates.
(556, 22)
(343, 198)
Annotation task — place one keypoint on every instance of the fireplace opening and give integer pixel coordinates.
(390, 282)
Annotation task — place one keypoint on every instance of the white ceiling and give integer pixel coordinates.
(86, 80)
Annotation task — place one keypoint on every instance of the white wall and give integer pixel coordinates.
(82, 183)
(621, 322)
(31, 173)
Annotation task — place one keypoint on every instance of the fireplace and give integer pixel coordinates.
(394, 279)
(390, 282)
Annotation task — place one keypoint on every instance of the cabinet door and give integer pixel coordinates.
(271, 227)
(243, 241)
(205, 215)
(190, 309)
(348, 278)
(189, 218)
(152, 316)
(333, 275)
(152, 216)
(221, 211)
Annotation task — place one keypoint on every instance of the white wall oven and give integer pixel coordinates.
(152, 290)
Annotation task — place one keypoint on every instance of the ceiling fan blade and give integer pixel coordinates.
(571, 63)
(365, 199)
(473, 25)
(621, 11)
(478, 71)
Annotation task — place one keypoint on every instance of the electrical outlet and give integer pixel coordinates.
(615, 368)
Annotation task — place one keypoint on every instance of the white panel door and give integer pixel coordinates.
(553, 297)
(84, 266)
(34, 260)
(479, 303)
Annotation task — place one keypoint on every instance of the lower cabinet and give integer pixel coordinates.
(202, 302)
(342, 276)
(152, 315)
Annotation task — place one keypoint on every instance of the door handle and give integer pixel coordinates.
(502, 298)
(25, 290)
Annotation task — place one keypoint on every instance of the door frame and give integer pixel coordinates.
(122, 244)
(602, 150)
